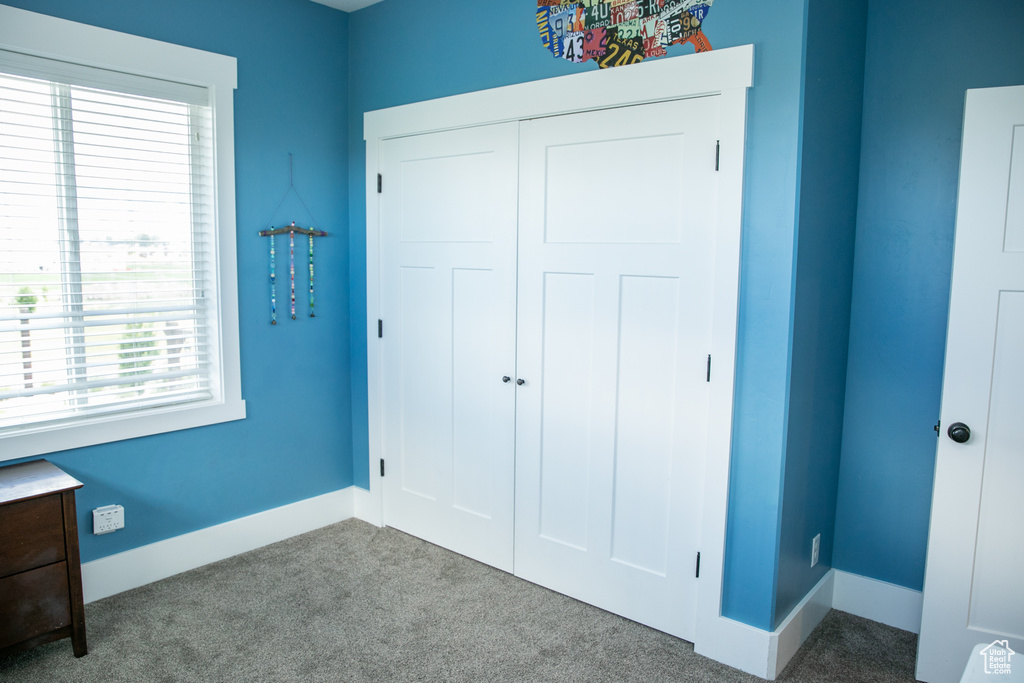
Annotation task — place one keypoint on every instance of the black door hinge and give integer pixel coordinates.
(380, 329)
(938, 429)
(718, 153)
(380, 183)
(698, 565)
(382, 467)
(709, 367)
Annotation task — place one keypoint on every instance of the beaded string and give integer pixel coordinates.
(312, 313)
(291, 263)
(270, 232)
(273, 285)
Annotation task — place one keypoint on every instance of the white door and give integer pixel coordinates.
(974, 581)
(447, 302)
(614, 330)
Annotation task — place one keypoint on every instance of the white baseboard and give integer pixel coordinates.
(133, 568)
(878, 601)
(734, 644)
(786, 640)
(766, 654)
(367, 505)
(762, 653)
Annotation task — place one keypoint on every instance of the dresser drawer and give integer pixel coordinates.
(31, 534)
(33, 603)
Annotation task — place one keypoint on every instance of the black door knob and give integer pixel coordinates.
(506, 379)
(520, 382)
(959, 432)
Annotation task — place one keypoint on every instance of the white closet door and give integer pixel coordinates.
(616, 243)
(448, 260)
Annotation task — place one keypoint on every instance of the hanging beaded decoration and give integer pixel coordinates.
(273, 285)
(291, 230)
(312, 313)
(291, 266)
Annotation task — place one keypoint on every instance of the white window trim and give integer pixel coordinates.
(45, 36)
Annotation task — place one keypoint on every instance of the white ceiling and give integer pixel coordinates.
(348, 5)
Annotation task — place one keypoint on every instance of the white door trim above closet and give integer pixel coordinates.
(705, 73)
(727, 73)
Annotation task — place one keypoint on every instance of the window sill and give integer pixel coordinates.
(117, 428)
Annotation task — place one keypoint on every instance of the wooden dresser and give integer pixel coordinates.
(40, 571)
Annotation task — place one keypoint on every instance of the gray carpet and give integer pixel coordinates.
(351, 602)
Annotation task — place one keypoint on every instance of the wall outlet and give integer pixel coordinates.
(107, 519)
(815, 549)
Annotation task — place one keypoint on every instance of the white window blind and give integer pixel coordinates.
(107, 244)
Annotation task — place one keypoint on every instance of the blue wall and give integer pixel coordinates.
(292, 97)
(306, 75)
(766, 290)
(404, 51)
(829, 174)
(917, 69)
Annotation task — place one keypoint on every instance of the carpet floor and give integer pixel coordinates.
(351, 602)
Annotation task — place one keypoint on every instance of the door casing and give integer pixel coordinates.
(727, 73)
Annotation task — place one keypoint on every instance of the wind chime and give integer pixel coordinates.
(291, 231)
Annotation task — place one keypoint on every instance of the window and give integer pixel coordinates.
(117, 318)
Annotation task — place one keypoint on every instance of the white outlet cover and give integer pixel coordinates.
(107, 519)
(815, 549)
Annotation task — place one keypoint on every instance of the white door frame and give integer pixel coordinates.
(727, 73)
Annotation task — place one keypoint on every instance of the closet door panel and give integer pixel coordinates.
(645, 407)
(425, 389)
(567, 412)
(596, 188)
(448, 273)
(624, 199)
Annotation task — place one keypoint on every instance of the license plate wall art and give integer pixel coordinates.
(620, 32)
